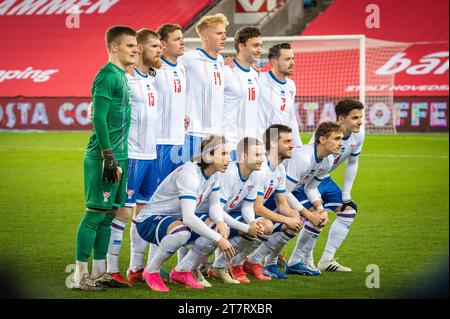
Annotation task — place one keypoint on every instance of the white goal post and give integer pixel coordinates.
(330, 68)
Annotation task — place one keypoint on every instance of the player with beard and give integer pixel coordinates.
(142, 162)
(272, 203)
(277, 92)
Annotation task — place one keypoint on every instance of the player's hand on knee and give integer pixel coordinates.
(222, 229)
(324, 219)
(111, 171)
(255, 229)
(294, 223)
(315, 218)
(226, 247)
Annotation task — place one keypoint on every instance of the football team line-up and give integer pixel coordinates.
(203, 155)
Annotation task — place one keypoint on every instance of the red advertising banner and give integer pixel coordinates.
(44, 114)
(411, 114)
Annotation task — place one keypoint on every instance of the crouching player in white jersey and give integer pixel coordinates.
(304, 171)
(277, 92)
(272, 203)
(349, 114)
(169, 219)
(238, 193)
(241, 89)
(205, 83)
(142, 165)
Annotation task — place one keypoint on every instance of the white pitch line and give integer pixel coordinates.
(405, 156)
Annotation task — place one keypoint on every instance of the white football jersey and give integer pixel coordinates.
(304, 166)
(170, 83)
(187, 181)
(144, 116)
(273, 180)
(234, 189)
(277, 104)
(351, 146)
(241, 104)
(205, 92)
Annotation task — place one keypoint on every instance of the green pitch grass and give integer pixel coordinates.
(402, 224)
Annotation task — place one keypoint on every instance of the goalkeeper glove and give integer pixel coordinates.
(111, 171)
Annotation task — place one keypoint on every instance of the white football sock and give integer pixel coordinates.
(202, 248)
(250, 245)
(167, 247)
(238, 243)
(98, 267)
(115, 244)
(305, 242)
(182, 252)
(81, 268)
(276, 240)
(337, 234)
(138, 247)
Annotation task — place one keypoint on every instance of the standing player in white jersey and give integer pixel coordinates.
(239, 186)
(205, 83)
(349, 114)
(308, 166)
(272, 203)
(277, 92)
(241, 88)
(170, 83)
(142, 164)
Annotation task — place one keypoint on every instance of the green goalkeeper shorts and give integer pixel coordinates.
(99, 194)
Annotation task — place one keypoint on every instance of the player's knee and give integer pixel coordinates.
(268, 227)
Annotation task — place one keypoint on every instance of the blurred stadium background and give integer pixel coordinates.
(390, 54)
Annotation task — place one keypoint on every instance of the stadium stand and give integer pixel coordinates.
(47, 52)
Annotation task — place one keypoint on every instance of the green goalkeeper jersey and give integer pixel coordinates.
(112, 113)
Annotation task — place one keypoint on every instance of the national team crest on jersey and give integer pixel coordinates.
(130, 193)
(216, 67)
(249, 81)
(175, 74)
(106, 196)
(249, 187)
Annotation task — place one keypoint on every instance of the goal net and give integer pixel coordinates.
(331, 68)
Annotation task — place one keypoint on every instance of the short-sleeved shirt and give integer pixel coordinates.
(111, 83)
(304, 166)
(170, 83)
(241, 104)
(235, 189)
(351, 146)
(273, 179)
(144, 117)
(205, 92)
(277, 104)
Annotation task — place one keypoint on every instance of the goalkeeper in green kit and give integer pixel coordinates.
(105, 161)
